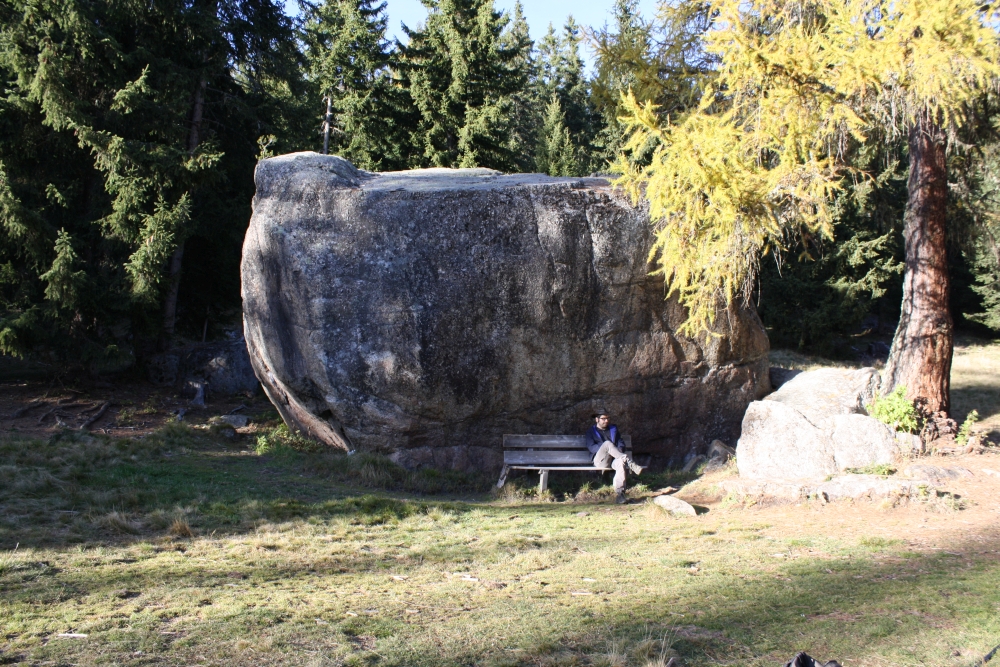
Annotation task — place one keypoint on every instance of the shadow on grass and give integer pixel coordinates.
(81, 489)
(878, 602)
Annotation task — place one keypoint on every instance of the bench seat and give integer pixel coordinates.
(545, 453)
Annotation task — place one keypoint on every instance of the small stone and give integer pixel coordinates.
(674, 505)
(236, 421)
(715, 464)
(583, 514)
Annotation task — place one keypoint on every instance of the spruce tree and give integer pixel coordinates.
(564, 94)
(556, 154)
(128, 132)
(350, 60)
(463, 75)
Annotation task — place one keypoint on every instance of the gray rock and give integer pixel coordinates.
(870, 487)
(715, 464)
(438, 308)
(815, 426)
(819, 395)
(675, 506)
(910, 443)
(779, 443)
(692, 463)
(720, 450)
(859, 441)
(236, 421)
(217, 368)
(935, 473)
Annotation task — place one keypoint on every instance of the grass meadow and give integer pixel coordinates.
(191, 547)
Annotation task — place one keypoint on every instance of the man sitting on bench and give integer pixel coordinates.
(603, 442)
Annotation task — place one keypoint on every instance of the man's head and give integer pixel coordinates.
(602, 420)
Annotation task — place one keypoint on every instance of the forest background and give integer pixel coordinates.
(129, 132)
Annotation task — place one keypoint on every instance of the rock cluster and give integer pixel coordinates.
(427, 313)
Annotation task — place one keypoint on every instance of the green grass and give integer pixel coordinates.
(186, 548)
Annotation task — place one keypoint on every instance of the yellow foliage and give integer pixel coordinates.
(762, 156)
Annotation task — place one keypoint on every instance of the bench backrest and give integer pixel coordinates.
(567, 450)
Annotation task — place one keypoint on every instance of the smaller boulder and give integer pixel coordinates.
(720, 450)
(236, 421)
(815, 426)
(675, 506)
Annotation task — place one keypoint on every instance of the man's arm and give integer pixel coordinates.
(594, 440)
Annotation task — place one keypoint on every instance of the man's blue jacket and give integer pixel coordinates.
(595, 439)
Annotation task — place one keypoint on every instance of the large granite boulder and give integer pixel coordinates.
(815, 425)
(413, 312)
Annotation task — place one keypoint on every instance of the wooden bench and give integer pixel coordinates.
(549, 452)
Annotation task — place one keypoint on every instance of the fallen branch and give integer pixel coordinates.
(97, 415)
(46, 414)
(20, 412)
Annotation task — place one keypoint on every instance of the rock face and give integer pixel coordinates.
(418, 312)
(815, 426)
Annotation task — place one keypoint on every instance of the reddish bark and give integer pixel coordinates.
(922, 348)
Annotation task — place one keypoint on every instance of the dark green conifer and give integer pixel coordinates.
(569, 121)
(463, 73)
(128, 137)
(350, 60)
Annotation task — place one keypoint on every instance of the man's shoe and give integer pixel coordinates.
(634, 467)
(620, 498)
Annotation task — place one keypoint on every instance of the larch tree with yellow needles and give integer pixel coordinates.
(760, 160)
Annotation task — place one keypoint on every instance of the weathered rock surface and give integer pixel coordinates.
(815, 426)
(868, 487)
(935, 474)
(414, 312)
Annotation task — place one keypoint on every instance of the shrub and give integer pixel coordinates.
(966, 429)
(883, 469)
(895, 410)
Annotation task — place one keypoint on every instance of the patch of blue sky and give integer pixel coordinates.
(538, 13)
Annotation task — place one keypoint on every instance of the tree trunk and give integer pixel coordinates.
(176, 259)
(921, 352)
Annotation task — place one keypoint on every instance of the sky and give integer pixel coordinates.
(539, 14)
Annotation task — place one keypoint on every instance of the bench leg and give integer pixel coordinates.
(503, 477)
(543, 481)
